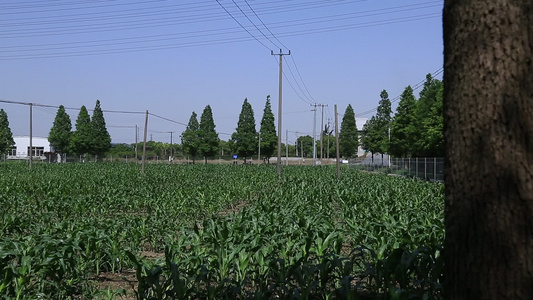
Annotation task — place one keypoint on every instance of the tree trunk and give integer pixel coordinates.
(488, 117)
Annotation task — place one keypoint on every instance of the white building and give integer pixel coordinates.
(40, 147)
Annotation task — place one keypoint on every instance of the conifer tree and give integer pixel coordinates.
(61, 132)
(403, 126)
(368, 138)
(348, 136)
(6, 136)
(189, 138)
(383, 122)
(424, 106)
(82, 137)
(433, 142)
(245, 136)
(267, 131)
(101, 138)
(207, 134)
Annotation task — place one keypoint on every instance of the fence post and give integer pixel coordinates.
(425, 168)
(416, 168)
(434, 168)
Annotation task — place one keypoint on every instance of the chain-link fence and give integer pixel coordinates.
(427, 168)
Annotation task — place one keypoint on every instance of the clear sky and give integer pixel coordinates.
(176, 57)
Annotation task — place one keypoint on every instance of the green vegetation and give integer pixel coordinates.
(245, 136)
(348, 136)
(60, 133)
(417, 128)
(189, 138)
(217, 231)
(101, 140)
(6, 136)
(269, 138)
(81, 140)
(207, 135)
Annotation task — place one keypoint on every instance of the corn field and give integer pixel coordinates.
(217, 232)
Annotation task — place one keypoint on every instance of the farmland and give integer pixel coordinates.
(217, 231)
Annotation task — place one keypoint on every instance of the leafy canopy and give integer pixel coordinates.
(61, 132)
(269, 137)
(245, 136)
(208, 137)
(101, 138)
(6, 136)
(189, 138)
(348, 136)
(82, 137)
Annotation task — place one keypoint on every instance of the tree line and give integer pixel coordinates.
(89, 137)
(415, 130)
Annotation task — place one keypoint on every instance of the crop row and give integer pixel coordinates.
(220, 232)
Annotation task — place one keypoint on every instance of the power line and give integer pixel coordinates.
(264, 24)
(255, 38)
(254, 24)
(397, 98)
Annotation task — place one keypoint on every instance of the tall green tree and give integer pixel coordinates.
(305, 146)
(403, 126)
(348, 136)
(428, 98)
(6, 136)
(245, 136)
(369, 139)
(433, 142)
(101, 138)
(207, 134)
(269, 138)
(190, 139)
(82, 138)
(383, 122)
(61, 132)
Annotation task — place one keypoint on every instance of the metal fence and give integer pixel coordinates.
(427, 168)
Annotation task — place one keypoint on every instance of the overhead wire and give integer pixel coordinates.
(253, 36)
(398, 97)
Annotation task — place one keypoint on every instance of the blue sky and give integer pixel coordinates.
(176, 57)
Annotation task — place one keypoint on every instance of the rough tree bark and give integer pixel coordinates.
(488, 117)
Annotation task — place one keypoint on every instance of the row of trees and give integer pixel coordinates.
(416, 130)
(201, 137)
(90, 137)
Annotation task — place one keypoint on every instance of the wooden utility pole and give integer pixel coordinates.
(279, 105)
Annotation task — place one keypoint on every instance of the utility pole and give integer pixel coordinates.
(279, 105)
(328, 139)
(171, 157)
(337, 143)
(322, 134)
(144, 143)
(314, 133)
(31, 135)
(136, 134)
(287, 147)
